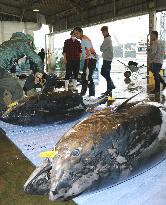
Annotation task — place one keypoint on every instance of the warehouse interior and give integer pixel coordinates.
(22, 144)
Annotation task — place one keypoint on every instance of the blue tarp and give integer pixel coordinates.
(145, 189)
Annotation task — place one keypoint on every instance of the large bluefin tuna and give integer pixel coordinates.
(46, 108)
(108, 146)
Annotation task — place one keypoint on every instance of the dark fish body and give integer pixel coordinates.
(44, 108)
(48, 108)
(107, 146)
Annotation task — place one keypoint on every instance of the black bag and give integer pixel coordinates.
(130, 63)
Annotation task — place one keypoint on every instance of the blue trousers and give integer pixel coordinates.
(156, 67)
(105, 72)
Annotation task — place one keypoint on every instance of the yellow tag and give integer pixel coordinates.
(110, 98)
(13, 104)
(10, 107)
(48, 154)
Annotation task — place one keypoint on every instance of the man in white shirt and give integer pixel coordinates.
(157, 57)
(89, 58)
(107, 53)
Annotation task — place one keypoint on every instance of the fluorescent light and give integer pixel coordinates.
(35, 9)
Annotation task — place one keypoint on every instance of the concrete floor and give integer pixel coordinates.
(15, 168)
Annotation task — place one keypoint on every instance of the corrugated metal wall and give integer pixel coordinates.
(104, 10)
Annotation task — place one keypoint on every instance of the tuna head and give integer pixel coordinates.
(39, 181)
(72, 173)
(74, 168)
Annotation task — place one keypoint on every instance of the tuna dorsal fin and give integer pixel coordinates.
(119, 107)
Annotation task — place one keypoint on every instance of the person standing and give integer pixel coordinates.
(107, 53)
(89, 58)
(157, 57)
(71, 52)
(42, 55)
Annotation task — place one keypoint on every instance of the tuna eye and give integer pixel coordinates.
(41, 181)
(75, 153)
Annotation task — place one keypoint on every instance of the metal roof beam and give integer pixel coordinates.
(9, 9)
(17, 12)
(7, 5)
(74, 4)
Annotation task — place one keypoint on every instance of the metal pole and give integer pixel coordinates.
(46, 51)
(152, 27)
(114, 8)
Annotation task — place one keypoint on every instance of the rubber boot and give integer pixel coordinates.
(84, 87)
(91, 89)
(66, 85)
(74, 84)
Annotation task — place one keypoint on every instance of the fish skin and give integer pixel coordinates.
(47, 108)
(107, 146)
(44, 108)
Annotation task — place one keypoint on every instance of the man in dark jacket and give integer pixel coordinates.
(42, 81)
(71, 52)
(42, 55)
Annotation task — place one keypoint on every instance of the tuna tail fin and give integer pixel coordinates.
(119, 107)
